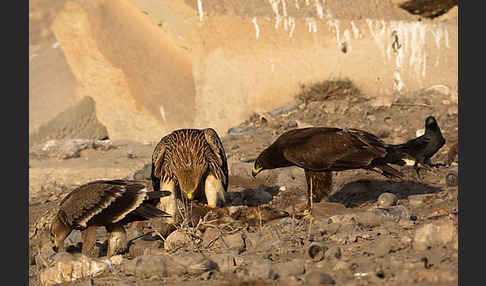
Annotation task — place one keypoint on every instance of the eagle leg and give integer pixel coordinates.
(89, 239)
(117, 239)
(417, 169)
(168, 204)
(318, 185)
(214, 192)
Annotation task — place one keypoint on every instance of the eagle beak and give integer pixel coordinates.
(255, 172)
(55, 248)
(189, 196)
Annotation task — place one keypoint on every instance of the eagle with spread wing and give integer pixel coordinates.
(191, 163)
(321, 150)
(108, 203)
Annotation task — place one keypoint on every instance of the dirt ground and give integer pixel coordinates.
(382, 251)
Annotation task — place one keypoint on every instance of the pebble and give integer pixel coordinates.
(317, 251)
(387, 200)
(452, 178)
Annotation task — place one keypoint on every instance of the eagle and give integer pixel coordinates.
(108, 203)
(321, 150)
(190, 163)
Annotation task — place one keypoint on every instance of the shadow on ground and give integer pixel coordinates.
(362, 191)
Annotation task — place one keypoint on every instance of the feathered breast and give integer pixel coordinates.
(189, 149)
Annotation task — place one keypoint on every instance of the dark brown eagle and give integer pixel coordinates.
(191, 163)
(321, 150)
(111, 204)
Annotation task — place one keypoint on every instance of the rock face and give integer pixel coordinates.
(78, 121)
(180, 69)
(146, 84)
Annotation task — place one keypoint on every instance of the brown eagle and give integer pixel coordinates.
(321, 150)
(111, 204)
(191, 163)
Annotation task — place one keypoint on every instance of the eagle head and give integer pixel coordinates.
(57, 233)
(260, 164)
(189, 179)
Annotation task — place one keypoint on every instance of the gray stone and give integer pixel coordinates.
(395, 213)
(418, 200)
(147, 266)
(387, 200)
(318, 278)
(265, 239)
(194, 264)
(140, 247)
(430, 235)
(343, 219)
(175, 240)
(67, 267)
(333, 252)
(259, 268)
(292, 268)
(234, 241)
(226, 262)
(68, 148)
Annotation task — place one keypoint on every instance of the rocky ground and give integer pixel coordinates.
(371, 232)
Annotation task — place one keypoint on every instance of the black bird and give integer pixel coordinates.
(321, 150)
(422, 148)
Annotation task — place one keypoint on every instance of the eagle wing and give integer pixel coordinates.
(157, 160)
(103, 202)
(217, 149)
(334, 149)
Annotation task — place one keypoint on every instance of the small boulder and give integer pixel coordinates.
(175, 240)
(292, 268)
(430, 235)
(67, 267)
